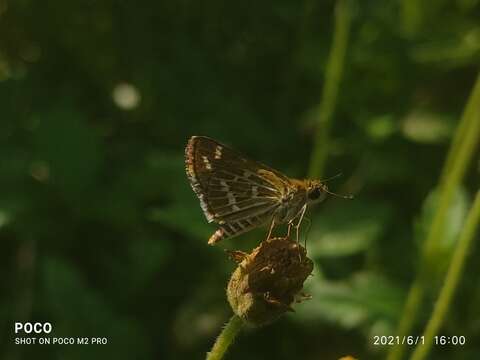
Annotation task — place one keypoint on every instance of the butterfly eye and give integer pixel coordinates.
(314, 194)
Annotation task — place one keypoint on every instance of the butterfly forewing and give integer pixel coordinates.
(235, 192)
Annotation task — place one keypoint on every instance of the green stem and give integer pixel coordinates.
(226, 337)
(460, 155)
(333, 77)
(459, 136)
(411, 16)
(451, 280)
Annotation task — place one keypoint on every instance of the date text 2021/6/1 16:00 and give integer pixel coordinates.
(418, 340)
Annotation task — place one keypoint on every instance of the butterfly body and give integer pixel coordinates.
(241, 194)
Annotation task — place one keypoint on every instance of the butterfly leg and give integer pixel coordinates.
(299, 222)
(308, 229)
(271, 229)
(290, 225)
(297, 229)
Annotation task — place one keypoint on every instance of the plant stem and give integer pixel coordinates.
(411, 16)
(333, 77)
(451, 280)
(460, 155)
(463, 150)
(226, 337)
(471, 111)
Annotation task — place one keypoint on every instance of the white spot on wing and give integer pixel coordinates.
(225, 186)
(231, 198)
(218, 152)
(247, 173)
(207, 162)
(205, 209)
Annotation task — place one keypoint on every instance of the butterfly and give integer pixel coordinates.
(240, 194)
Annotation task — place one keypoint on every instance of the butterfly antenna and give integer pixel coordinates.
(332, 177)
(350, 196)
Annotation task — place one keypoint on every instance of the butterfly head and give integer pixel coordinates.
(316, 191)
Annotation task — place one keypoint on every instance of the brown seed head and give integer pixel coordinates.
(267, 281)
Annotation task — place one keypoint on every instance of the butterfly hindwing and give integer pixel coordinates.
(235, 192)
(247, 223)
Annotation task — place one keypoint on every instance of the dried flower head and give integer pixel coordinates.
(267, 281)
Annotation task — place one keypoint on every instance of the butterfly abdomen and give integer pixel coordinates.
(216, 237)
(232, 229)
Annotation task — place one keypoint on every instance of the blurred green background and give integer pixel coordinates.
(100, 232)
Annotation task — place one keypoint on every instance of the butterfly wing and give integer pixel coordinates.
(237, 193)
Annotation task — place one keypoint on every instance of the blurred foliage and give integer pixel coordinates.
(454, 223)
(101, 234)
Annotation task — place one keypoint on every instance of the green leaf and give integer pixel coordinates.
(147, 256)
(200, 315)
(158, 180)
(456, 50)
(187, 219)
(380, 128)
(452, 225)
(68, 151)
(167, 172)
(347, 229)
(427, 127)
(77, 310)
(366, 300)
